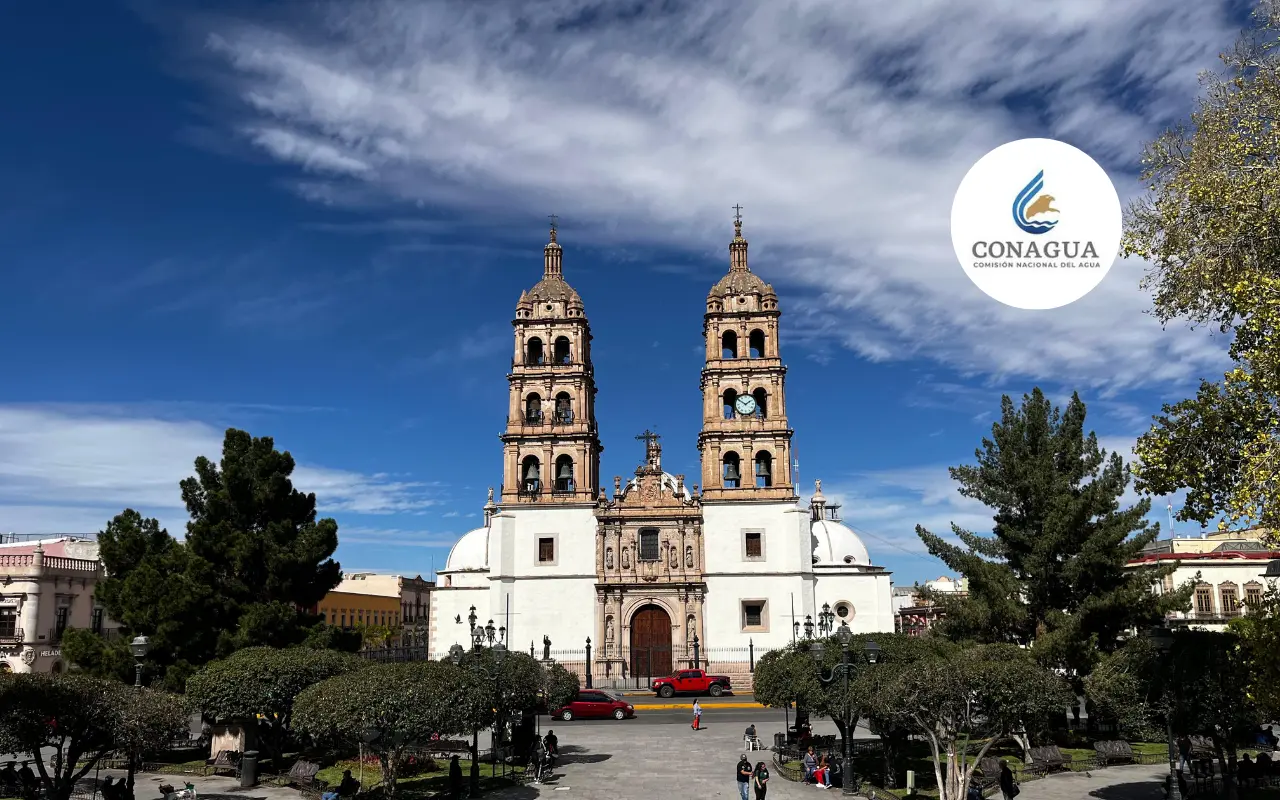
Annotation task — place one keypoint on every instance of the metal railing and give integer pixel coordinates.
(12, 635)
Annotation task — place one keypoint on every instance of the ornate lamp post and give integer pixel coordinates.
(808, 626)
(140, 646)
(1162, 639)
(870, 654)
(499, 651)
(826, 620)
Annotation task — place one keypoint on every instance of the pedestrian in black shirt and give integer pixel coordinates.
(744, 777)
(1008, 786)
(455, 778)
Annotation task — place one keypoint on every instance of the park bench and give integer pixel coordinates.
(1113, 752)
(303, 774)
(226, 761)
(989, 772)
(1049, 757)
(1202, 745)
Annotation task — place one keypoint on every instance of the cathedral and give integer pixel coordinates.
(657, 570)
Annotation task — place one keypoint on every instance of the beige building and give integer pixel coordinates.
(1227, 569)
(374, 599)
(46, 586)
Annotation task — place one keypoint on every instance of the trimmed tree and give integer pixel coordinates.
(81, 718)
(258, 685)
(559, 685)
(391, 707)
(1053, 571)
(982, 694)
(1207, 229)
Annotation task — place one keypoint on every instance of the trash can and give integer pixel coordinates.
(779, 741)
(249, 769)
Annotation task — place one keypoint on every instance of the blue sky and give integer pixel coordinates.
(313, 221)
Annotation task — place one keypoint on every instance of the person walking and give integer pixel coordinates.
(761, 780)
(1184, 752)
(455, 778)
(744, 777)
(697, 715)
(1008, 786)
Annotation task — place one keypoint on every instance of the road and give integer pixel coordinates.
(716, 711)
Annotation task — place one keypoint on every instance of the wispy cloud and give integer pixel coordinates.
(843, 128)
(61, 467)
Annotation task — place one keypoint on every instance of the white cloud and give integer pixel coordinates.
(842, 127)
(71, 468)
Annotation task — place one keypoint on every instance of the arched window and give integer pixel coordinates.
(762, 402)
(729, 345)
(564, 408)
(732, 471)
(764, 470)
(533, 351)
(756, 343)
(561, 350)
(533, 408)
(564, 474)
(530, 475)
(730, 397)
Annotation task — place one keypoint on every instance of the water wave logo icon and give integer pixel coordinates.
(1031, 203)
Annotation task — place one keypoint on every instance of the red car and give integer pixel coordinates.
(595, 704)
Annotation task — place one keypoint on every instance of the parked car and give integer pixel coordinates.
(691, 681)
(595, 704)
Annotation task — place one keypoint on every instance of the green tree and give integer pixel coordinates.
(1259, 632)
(391, 707)
(81, 718)
(1123, 687)
(559, 686)
(95, 655)
(981, 694)
(1207, 229)
(147, 722)
(258, 685)
(1053, 572)
(254, 554)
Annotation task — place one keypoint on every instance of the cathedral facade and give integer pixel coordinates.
(727, 566)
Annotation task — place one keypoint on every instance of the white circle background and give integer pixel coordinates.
(1088, 206)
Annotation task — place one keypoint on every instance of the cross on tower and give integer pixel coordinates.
(553, 218)
(651, 450)
(648, 437)
(737, 216)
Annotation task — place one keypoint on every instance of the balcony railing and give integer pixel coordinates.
(530, 488)
(558, 418)
(544, 361)
(11, 635)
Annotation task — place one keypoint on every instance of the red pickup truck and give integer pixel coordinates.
(691, 681)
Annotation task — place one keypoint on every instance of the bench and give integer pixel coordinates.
(303, 774)
(989, 770)
(1049, 757)
(226, 761)
(1113, 752)
(1202, 745)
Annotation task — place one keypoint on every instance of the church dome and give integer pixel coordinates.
(552, 297)
(471, 552)
(834, 544)
(736, 283)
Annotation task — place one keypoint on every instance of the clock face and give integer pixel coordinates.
(746, 404)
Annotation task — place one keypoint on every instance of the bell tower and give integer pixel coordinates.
(551, 447)
(745, 441)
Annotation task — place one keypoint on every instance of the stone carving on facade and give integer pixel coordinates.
(28, 656)
(546, 648)
(608, 558)
(688, 557)
(608, 629)
(626, 558)
(690, 630)
(675, 558)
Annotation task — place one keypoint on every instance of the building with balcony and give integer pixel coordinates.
(1227, 569)
(363, 599)
(46, 586)
(913, 614)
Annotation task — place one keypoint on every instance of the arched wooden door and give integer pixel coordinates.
(650, 642)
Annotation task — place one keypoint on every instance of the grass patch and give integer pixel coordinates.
(426, 782)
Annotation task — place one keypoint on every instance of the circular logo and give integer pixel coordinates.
(1036, 224)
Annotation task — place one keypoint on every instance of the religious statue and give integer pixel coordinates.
(608, 558)
(546, 648)
(688, 557)
(608, 629)
(691, 631)
(626, 558)
(675, 558)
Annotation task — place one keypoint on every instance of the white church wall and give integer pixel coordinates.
(725, 612)
(447, 605)
(786, 546)
(868, 596)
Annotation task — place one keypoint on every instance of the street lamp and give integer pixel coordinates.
(1162, 639)
(826, 620)
(808, 626)
(870, 654)
(140, 646)
(499, 651)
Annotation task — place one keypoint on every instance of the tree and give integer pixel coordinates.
(1123, 687)
(1208, 230)
(254, 554)
(1053, 572)
(81, 718)
(95, 655)
(980, 694)
(391, 707)
(559, 686)
(147, 721)
(261, 684)
(1259, 635)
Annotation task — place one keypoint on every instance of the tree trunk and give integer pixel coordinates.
(1024, 742)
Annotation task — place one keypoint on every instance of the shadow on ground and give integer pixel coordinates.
(1138, 790)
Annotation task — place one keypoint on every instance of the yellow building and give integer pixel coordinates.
(363, 598)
